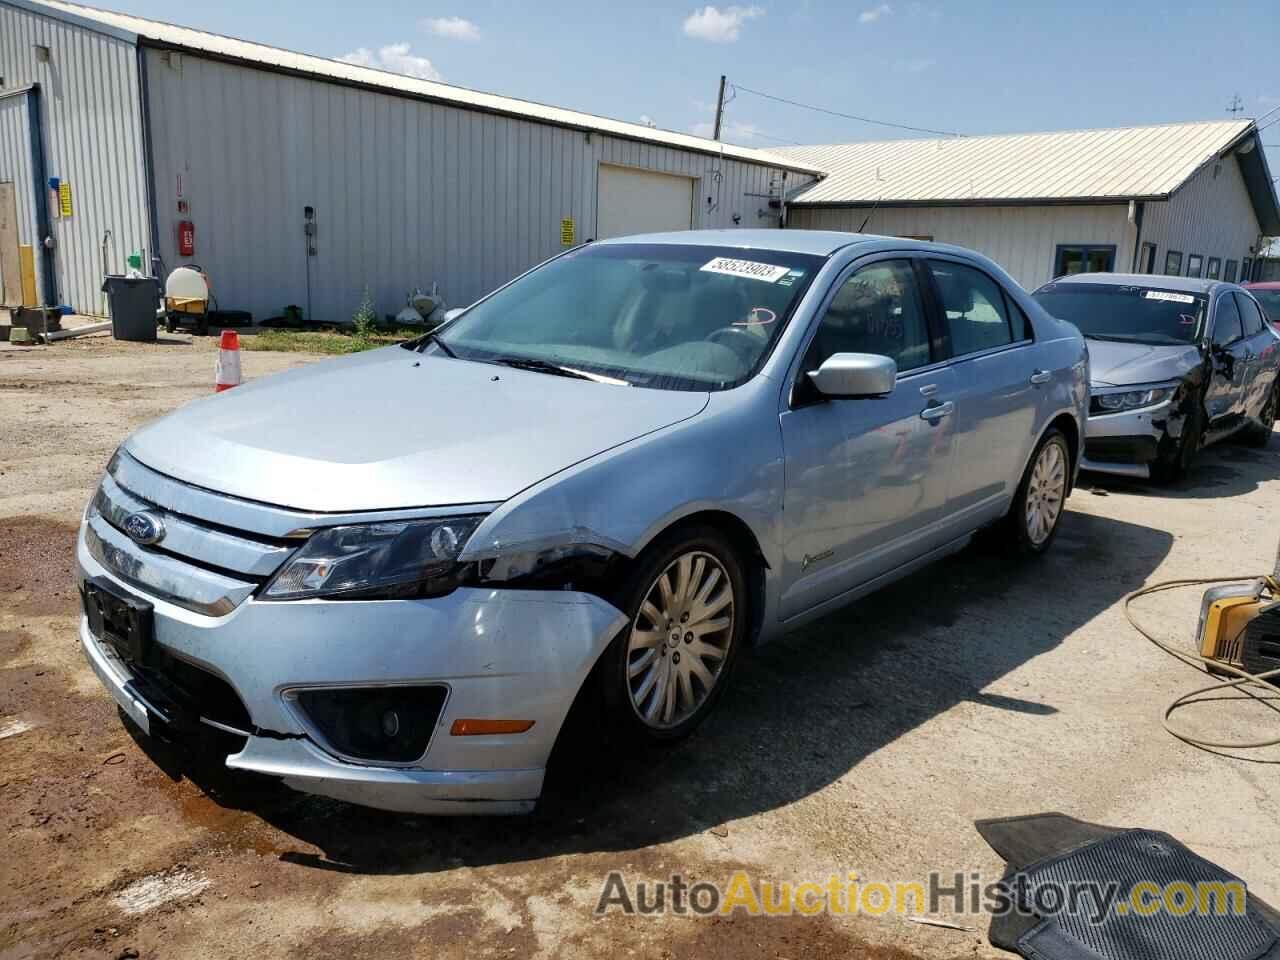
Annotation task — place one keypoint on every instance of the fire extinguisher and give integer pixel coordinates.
(186, 238)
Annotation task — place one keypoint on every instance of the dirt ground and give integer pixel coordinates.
(869, 742)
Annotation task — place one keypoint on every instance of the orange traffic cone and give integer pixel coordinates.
(227, 373)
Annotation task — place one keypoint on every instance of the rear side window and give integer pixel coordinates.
(974, 307)
(1250, 315)
(877, 310)
(1226, 326)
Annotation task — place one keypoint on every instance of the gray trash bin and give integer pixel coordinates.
(133, 302)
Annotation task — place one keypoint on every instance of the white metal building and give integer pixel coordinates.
(1193, 199)
(145, 126)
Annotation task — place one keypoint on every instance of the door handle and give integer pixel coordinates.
(937, 411)
(1040, 376)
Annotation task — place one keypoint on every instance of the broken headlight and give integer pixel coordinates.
(377, 561)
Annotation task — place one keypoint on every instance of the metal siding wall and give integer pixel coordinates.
(15, 166)
(405, 192)
(91, 107)
(1211, 216)
(1023, 240)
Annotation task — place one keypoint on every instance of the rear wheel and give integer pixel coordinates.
(1259, 434)
(1032, 521)
(687, 604)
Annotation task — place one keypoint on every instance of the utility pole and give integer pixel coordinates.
(1235, 106)
(719, 109)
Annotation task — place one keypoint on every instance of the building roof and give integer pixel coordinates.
(258, 54)
(1073, 166)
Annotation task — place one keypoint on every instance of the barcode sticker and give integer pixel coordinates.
(1171, 297)
(746, 268)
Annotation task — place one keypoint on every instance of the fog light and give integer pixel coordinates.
(387, 724)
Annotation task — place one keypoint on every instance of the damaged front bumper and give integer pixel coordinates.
(496, 653)
(1127, 442)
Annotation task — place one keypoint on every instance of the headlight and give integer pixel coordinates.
(412, 558)
(1129, 400)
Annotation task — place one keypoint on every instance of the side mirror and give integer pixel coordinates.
(452, 312)
(855, 375)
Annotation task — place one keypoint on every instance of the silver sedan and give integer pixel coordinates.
(388, 577)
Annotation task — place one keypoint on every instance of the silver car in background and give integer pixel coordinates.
(1177, 363)
(391, 575)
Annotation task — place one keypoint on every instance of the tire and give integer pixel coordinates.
(1036, 512)
(1259, 434)
(1173, 465)
(654, 675)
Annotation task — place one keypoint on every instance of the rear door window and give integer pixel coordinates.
(1250, 316)
(973, 306)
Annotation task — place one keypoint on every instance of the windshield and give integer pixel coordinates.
(1270, 300)
(665, 316)
(1137, 314)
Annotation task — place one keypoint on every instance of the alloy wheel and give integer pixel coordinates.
(1045, 492)
(680, 638)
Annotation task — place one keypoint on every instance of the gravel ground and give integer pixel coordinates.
(868, 742)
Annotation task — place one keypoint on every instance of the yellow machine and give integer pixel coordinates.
(1228, 633)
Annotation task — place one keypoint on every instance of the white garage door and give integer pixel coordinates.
(640, 201)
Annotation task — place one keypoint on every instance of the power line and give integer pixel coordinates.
(845, 116)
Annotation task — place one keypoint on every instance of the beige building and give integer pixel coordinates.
(1191, 199)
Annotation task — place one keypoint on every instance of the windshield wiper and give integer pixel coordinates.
(541, 366)
(434, 337)
(1111, 339)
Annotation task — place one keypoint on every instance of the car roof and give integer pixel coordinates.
(817, 242)
(1262, 285)
(1154, 280)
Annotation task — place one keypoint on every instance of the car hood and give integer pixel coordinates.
(1120, 364)
(392, 429)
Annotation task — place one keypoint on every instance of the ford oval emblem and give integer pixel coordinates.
(144, 528)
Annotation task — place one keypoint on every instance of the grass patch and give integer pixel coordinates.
(331, 340)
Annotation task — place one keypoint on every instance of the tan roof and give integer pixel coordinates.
(1073, 165)
(258, 53)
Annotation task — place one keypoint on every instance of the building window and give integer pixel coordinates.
(1213, 268)
(1173, 263)
(1245, 265)
(1229, 272)
(1147, 258)
(1195, 264)
(1083, 258)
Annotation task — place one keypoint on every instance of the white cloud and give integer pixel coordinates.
(454, 28)
(394, 57)
(875, 13)
(647, 120)
(719, 26)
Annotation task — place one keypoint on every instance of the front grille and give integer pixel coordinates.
(202, 561)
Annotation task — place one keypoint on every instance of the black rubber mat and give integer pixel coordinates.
(1056, 849)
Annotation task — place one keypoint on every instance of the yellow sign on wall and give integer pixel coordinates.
(566, 232)
(64, 199)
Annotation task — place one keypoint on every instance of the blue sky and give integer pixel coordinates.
(973, 67)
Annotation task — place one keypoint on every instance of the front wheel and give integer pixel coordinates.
(687, 604)
(1037, 507)
(1172, 465)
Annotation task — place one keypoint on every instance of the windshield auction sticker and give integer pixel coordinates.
(746, 268)
(1171, 297)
